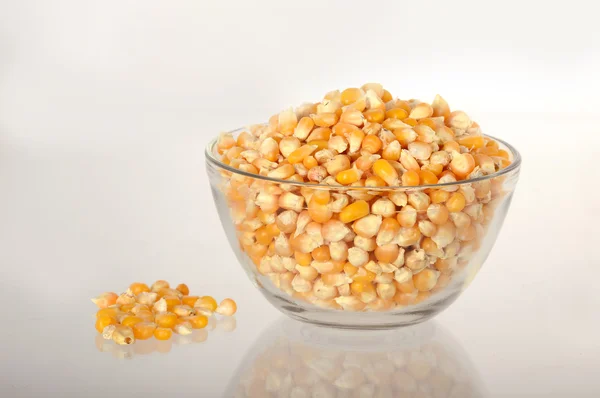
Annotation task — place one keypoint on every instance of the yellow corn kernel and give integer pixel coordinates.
(462, 164)
(436, 169)
(183, 289)
(197, 321)
(421, 111)
(405, 135)
(425, 280)
(321, 197)
(309, 162)
(410, 178)
(166, 320)
(471, 141)
(427, 177)
(319, 212)
(206, 302)
(357, 287)
(374, 181)
(387, 253)
(127, 307)
(383, 169)
(299, 154)
(131, 320)
(364, 276)
(137, 288)
(375, 115)
(325, 119)
(104, 321)
(320, 144)
(146, 315)
(319, 134)
(162, 333)
(343, 129)
(386, 97)
(371, 143)
(189, 300)
(503, 154)
(354, 211)
(172, 301)
(304, 127)
(456, 202)
(396, 113)
(105, 300)
(350, 95)
(410, 122)
(488, 150)
(110, 311)
(143, 330)
(439, 196)
(347, 177)
(263, 236)
(303, 259)
(228, 307)
(184, 310)
(321, 254)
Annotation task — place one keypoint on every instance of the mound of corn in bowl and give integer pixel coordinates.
(362, 210)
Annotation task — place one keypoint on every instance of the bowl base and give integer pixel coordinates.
(371, 320)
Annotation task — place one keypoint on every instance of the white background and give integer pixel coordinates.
(105, 109)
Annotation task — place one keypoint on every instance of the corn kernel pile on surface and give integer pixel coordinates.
(349, 242)
(158, 311)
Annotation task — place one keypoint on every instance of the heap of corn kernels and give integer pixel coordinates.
(364, 246)
(143, 312)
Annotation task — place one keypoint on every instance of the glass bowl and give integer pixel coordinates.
(292, 360)
(389, 279)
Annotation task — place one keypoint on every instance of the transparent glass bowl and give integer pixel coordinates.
(388, 293)
(291, 360)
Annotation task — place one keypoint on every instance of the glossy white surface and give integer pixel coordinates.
(105, 109)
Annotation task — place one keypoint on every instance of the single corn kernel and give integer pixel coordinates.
(189, 300)
(326, 119)
(318, 212)
(131, 320)
(143, 330)
(471, 141)
(426, 279)
(350, 95)
(161, 333)
(374, 115)
(197, 321)
(172, 301)
(183, 327)
(228, 307)
(367, 226)
(206, 302)
(159, 285)
(407, 217)
(182, 287)
(166, 320)
(438, 213)
(396, 113)
(410, 179)
(462, 164)
(303, 259)
(421, 111)
(383, 169)
(321, 254)
(123, 335)
(301, 153)
(347, 177)
(439, 196)
(372, 144)
(354, 211)
(127, 307)
(160, 306)
(426, 177)
(147, 298)
(183, 310)
(456, 202)
(137, 288)
(105, 300)
(387, 232)
(420, 150)
(440, 107)
(103, 321)
(320, 134)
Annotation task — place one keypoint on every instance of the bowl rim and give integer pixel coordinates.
(515, 165)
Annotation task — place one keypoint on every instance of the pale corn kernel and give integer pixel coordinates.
(184, 328)
(353, 116)
(374, 181)
(468, 192)
(354, 211)
(383, 207)
(338, 143)
(339, 202)
(268, 203)
(300, 284)
(123, 335)
(405, 135)
(438, 213)
(105, 300)
(403, 275)
(427, 228)
(336, 280)
(288, 145)
(419, 150)
(386, 290)
(367, 244)
(462, 164)
(415, 260)
(250, 155)
(408, 161)
(303, 220)
(286, 221)
(334, 230)
(350, 95)
(355, 139)
(446, 179)
(337, 164)
(392, 151)
(160, 306)
(398, 198)
(387, 253)
(365, 162)
(324, 291)
(357, 257)
(287, 121)
(305, 243)
(466, 233)
(421, 111)
(419, 200)
(407, 217)
(338, 251)
(350, 303)
(317, 174)
(375, 87)
(440, 107)
(456, 202)
(367, 226)
(485, 163)
(282, 172)
(426, 279)
(444, 234)
(124, 298)
(458, 120)
(444, 134)
(269, 149)
(426, 134)
(290, 201)
(440, 157)
(387, 232)
(329, 106)
(324, 155)
(408, 236)
(307, 273)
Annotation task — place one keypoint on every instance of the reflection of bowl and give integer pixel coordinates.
(298, 360)
(399, 277)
